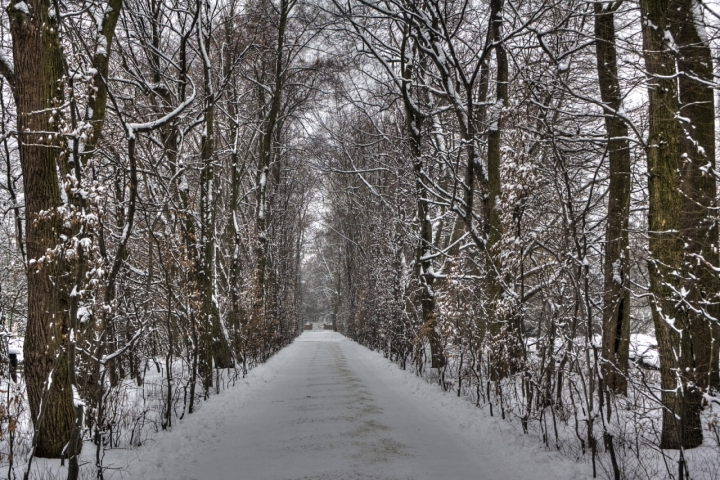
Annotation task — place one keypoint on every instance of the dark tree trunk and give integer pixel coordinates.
(493, 225)
(38, 68)
(616, 310)
(698, 184)
(679, 229)
(414, 120)
(264, 169)
(217, 344)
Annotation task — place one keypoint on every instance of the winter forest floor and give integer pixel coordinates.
(328, 408)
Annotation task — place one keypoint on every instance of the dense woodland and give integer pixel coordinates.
(514, 199)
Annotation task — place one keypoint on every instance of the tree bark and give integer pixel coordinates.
(493, 225)
(698, 183)
(675, 187)
(414, 120)
(616, 309)
(217, 345)
(98, 94)
(263, 172)
(38, 91)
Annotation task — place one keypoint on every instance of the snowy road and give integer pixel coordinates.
(327, 408)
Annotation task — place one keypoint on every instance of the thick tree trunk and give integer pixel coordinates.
(678, 226)
(616, 311)
(38, 68)
(698, 183)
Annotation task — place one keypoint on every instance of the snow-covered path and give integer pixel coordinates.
(328, 408)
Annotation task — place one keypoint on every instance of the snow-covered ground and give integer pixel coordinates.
(328, 408)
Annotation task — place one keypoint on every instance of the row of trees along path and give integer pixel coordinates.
(504, 196)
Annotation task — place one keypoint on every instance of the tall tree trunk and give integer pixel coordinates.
(217, 344)
(493, 225)
(675, 167)
(616, 309)
(263, 173)
(414, 120)
(38, 68)
(698, 183)
(236, 321)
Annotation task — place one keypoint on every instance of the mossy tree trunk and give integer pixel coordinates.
(38, 89)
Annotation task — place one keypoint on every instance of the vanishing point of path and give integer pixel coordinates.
(327, 408)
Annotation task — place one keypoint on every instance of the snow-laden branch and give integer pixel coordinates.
(133, 128)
